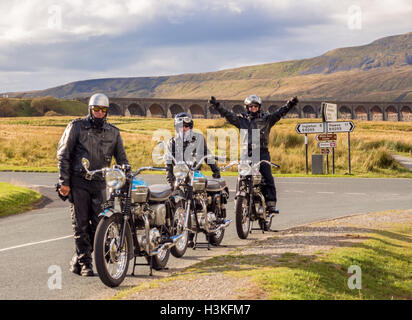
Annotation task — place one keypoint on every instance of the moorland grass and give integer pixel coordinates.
(31, 143)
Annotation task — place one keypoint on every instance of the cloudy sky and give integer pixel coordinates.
(45, 43)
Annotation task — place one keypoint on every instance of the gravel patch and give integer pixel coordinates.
(307, 240)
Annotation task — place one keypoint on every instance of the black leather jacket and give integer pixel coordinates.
(263, 121)
(192, 149)
(98, 145)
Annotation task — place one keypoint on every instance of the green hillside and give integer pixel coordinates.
(381, 70)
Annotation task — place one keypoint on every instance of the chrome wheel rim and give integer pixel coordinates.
(115, 260)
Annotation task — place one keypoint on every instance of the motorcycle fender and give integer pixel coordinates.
(107, 213)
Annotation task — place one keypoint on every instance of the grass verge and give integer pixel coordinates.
(15, 199)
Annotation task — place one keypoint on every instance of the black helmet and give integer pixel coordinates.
(183, 118)
(252, 100)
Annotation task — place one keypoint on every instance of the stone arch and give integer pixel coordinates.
(345, 113)
(406, 114)
(272, 108)
(293, 113)
(376, 114)
(238, 109)
(309, 112)
(114, 109)
(175, 109)
(196, 111)
(155, 110)
(360, 113)
(391, 114)
(135, 110)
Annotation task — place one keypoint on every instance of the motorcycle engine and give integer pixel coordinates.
(157, 216)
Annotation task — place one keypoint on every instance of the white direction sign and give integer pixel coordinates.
(340, 126)
(329, 111)
(314, 127)
(328, 144)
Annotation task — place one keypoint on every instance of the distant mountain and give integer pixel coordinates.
(380, 71)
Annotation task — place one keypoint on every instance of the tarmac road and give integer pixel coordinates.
(36, 246)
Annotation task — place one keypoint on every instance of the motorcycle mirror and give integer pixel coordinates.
(86, 163)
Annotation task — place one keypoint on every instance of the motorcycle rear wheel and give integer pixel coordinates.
(242, 217)
(112, 264)
(160, 260)
(216, 238)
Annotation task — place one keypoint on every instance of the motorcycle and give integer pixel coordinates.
(138, 220)
(250, 203)
(204, 200)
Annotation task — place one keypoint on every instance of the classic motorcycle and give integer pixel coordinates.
(250, 203)
(205, 200)
(138, 220)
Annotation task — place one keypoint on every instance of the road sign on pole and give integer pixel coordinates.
(329, 111)
(314, 127)
(327, 137)
(328, 144)
(340, 126)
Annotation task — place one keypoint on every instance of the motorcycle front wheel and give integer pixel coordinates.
(112, 261)
(242, 217)
(178, 226)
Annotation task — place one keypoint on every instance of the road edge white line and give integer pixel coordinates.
(34, 243)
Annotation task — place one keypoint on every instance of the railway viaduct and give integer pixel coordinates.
(167, 108)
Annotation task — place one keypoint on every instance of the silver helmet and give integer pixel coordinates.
(99, 99)
(253, 99)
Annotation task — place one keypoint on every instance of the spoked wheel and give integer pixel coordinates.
(216, 237)
(178, 226)
(112, 261)
(160, 260)
(242, 217)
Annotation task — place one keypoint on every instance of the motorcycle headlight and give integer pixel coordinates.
(115, 178)
(244, 169)
(180, 171)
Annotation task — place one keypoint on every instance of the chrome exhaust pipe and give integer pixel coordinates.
(168, 245)
(222, 226)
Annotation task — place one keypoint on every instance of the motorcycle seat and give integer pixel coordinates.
(215, 184)
(159, 192)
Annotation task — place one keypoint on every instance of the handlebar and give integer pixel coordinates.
(254, 166)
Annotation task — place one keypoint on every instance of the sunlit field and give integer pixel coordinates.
(30, 144)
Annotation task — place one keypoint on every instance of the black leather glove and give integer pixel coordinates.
(212, 102)
(64, 198)
(293, 102)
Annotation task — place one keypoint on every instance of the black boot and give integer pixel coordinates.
(74, 265)
(87, 270)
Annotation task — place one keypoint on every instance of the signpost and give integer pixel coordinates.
(327, 137)
(326, 133)
(313, 127)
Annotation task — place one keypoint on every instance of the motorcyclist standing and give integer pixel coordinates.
(254, 119)
(98, 141)
(187, 145)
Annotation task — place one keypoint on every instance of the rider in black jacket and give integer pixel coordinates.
(254, 118)
(98, 141)
(187, 145)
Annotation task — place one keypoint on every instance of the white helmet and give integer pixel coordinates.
(99, 99)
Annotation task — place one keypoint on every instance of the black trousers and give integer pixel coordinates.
(268, 185)
(88, 196)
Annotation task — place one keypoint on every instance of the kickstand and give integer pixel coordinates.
(201, 244)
